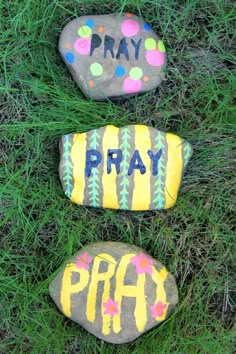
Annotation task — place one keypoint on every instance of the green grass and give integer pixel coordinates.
(41, 228)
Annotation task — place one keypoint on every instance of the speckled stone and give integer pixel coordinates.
(115, 291)
(111, 56)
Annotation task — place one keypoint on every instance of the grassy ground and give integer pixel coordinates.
(40, 228)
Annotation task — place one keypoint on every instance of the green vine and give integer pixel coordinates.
(125, 146)
(159, 193)
(67, 167)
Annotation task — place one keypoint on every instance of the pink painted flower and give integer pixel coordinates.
(111, 307)
(143, 264)
(83, 261)
(158, 309)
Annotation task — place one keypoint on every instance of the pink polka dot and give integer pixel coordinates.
(155, 57)
(129, 28)
(132, 86)
(82, 45)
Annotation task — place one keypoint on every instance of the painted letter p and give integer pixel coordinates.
(93, 159)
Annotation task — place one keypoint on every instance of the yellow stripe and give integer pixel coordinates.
(93, 291)
(159, 278)
(110, 141)
(67, 288)
(78, 154)
(137, 291)
(142, 190)
(173, 169)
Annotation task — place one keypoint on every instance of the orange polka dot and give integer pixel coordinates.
(100, 29)
(145, 78)
(156, 47)
(129, 15)
(91, 83)
(67, 46)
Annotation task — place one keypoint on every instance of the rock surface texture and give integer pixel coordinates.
(111, 56)
(115, 291)
(131, 168)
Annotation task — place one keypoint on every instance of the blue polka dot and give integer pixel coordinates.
(147, 27)
(120, 71)
(70, 57)
(90, 23)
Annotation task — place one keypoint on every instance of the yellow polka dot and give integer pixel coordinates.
(150, 43)
(161, 46)
(84, 31)
(96, 69)
(136, 73)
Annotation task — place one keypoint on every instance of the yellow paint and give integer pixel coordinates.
(142, 188)
(141, 193)
(137, 291)
(121, 291)
(159, 279)
(67, 288)
(173, 169)
(110, 199)
(97, 277)
(78, 154)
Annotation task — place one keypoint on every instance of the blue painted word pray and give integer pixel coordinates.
(109, 44)
(115, 157)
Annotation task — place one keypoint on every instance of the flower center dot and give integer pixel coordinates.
(143, 263)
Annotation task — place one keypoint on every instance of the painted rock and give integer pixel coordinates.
(135, 167)
(110, 56)
(115, 291)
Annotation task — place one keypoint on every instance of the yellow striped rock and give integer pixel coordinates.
(114, 290)
(131, 168)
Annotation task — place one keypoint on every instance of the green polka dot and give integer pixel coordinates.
(96, 69)
(161, 46)
(136, 73)
(150, 44)
(84, 31)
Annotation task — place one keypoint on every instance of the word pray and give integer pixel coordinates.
(89, 282)
(94, 159)
(109, 44)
